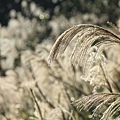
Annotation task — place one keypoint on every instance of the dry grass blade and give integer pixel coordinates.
(86, 36)
(112, 109)
(38, 107)
(99, 100)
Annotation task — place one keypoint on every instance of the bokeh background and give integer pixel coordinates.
(28, 29)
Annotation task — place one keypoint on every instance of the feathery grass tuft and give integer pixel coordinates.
(86, 36)
(101, 99)
(91, 41)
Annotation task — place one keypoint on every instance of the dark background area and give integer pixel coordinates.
(110, 8)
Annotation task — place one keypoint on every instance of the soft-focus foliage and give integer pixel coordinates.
(30, 89)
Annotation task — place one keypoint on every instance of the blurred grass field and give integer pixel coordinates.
(30, 89)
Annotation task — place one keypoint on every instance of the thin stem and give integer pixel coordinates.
(45, 98)
(38, 107)
(107, 81)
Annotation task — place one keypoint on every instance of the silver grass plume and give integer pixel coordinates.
(86, 36)
(89, 36)
(101, 99)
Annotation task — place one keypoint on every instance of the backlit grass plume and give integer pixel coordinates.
(86, 36)
(88, 52)
(101, 99)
